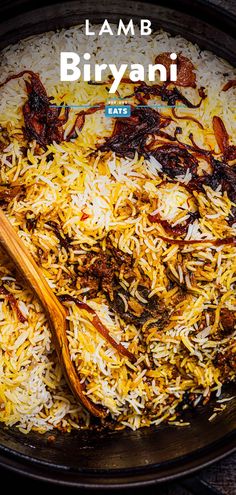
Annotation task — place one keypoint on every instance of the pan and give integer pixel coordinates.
(104, 459)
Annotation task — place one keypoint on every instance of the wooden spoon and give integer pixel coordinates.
(55, 311)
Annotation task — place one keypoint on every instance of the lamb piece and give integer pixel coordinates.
(186, 76)
(103, 268)
(138, 313)
(228, 320)
(119, 256)
(9, 192)
(89, 282)
(100, 269)
(226, 362)
(100, 266)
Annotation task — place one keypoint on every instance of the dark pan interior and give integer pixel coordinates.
(109, 458)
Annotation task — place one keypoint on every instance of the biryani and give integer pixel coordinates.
(135, 217)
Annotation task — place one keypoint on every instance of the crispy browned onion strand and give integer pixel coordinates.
(100, 327)
(13, 303)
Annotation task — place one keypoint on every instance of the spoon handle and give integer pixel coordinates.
(24, 261)
(55, 311)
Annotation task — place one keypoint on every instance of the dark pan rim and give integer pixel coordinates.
(117, 478)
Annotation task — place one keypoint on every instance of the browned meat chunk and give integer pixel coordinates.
(101, 267)
(228, 320)
(9, 192)
(226, 362)
(100, 271)
(92, 283)
(186, 76)
(139, 313)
